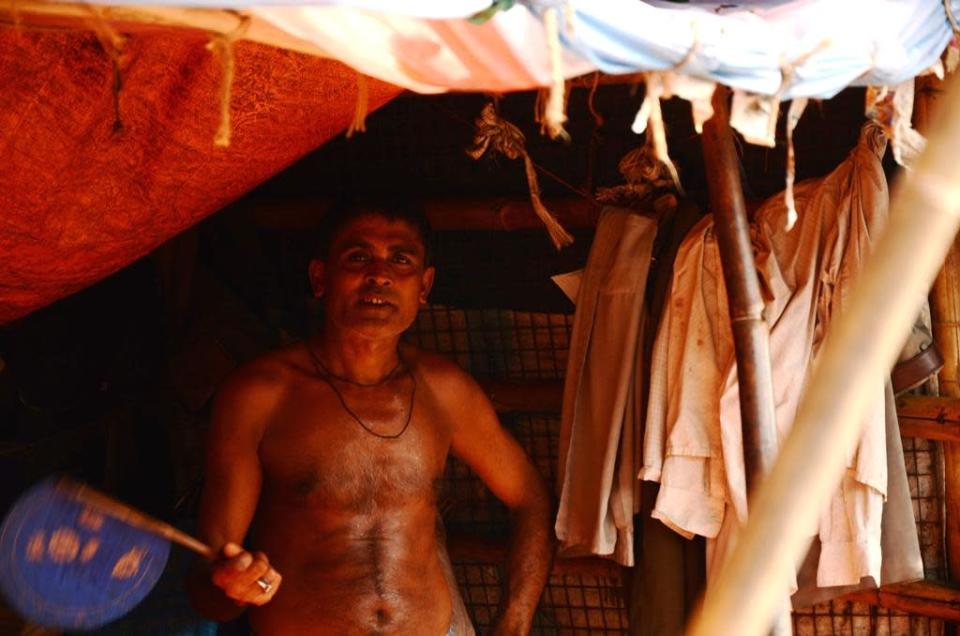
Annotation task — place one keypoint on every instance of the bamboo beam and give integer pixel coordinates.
(751, 337)
(507, 214)
(924, 598)
(936, 418)
(462, 548)
(524, 396)
(925, 417)
(866, 336)
(945, 314)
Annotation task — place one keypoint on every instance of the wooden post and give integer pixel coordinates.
(751, 337)
(945, 314)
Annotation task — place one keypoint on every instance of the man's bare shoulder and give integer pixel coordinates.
(259, 384)
(444, 376)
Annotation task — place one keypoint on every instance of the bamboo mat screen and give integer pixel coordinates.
(506, 345)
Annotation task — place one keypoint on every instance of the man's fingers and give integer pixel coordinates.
(230, 550)
(239, 572)
(267, 587)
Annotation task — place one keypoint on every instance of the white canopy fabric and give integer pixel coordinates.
(508, 52)
(782, 48)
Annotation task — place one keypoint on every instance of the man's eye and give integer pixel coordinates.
(357, 257)
(400, 259)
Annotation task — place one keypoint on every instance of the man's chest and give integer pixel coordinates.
(323, 454)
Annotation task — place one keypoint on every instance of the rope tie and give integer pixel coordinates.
(498, 135)
(554, 115)
(15, 14)
(221, 44)
(797, 107)
(359, 123)
(950, 17)
(112, 44)
(650, 116)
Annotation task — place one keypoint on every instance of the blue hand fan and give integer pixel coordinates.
(73, 558)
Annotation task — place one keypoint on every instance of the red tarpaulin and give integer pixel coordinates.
(80, 200)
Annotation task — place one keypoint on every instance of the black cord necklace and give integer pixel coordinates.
(325, 374)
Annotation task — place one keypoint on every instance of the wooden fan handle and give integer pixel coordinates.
(122, 512)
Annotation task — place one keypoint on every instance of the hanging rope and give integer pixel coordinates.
(112, 44)
(645, 175)
(359, 123)
(222, 45)
(498, 135)
(797, 107)
(554, 115)
(950, 17)
(650, 117)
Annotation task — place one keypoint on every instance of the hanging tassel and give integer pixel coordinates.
(222, 45)
(499, 135)
(797, 107)
(952, 58)
(554, 115)
(359, 123)
(15, 15)
(112, 44)
(651, 117)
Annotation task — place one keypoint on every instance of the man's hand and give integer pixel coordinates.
(245, 578)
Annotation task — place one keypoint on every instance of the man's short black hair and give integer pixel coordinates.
(347, 209)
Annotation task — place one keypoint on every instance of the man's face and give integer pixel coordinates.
(374, 278)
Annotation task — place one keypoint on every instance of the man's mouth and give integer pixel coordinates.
(374, 300)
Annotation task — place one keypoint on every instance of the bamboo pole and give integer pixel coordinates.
(864, 341)
(495, 213)
(751, 337)
(945, 314)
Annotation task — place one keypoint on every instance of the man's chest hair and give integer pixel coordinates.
(339, 464)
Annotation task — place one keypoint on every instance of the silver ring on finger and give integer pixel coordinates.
(264, 585)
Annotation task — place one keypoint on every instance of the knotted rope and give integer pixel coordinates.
(499, 135)
(222, 45)
(359, 123)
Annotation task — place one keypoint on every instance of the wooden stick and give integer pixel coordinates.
(866, 337)
(122, 512)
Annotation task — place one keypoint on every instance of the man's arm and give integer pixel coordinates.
(495, 456)
(221, 589)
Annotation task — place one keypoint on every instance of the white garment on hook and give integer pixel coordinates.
(599, 445)
(693, 444)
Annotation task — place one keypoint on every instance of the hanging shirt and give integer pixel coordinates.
(599, 449)
(693, 443)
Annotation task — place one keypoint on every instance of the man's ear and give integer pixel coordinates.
(315, 272)
(426, 283)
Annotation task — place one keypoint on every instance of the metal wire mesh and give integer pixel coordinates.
(506, 344)
(923, 458)
(570, 604)
(497, 343)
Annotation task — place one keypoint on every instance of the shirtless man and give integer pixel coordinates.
(329, 453)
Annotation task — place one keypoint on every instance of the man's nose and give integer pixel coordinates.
(378, 273)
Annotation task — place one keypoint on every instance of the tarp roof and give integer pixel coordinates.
(81, 196)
